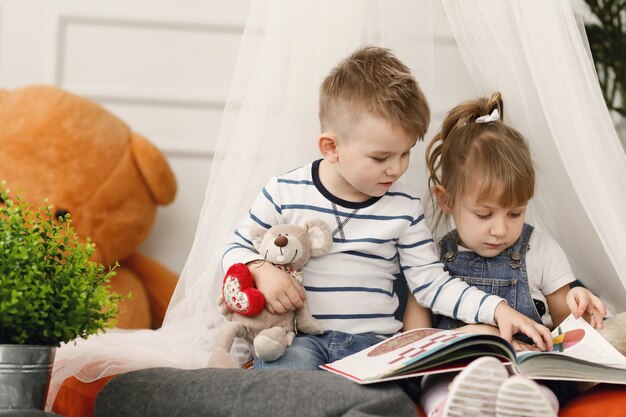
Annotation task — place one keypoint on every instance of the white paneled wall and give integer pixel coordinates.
(164, 67)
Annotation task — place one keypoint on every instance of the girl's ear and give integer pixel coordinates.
(443, 199)
(327, 144)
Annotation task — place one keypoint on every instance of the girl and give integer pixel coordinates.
(481, 174)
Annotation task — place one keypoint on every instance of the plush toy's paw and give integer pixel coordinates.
(220, 358)
(239, 293)
(267, 349)
(306, 323)
(311, 326)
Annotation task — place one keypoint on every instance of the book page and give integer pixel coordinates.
(417, 352)
(390, 355)
(577, 339)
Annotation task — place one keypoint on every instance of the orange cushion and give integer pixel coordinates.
(604, 400)
(76, 398)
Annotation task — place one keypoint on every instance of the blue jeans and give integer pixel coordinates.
(308, 352)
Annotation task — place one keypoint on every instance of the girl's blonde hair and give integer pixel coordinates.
(490, 157)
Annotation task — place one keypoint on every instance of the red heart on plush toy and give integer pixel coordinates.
(239, 292)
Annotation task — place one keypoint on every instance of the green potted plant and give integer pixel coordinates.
(50, 293)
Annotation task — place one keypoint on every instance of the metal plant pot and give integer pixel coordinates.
(24, 376)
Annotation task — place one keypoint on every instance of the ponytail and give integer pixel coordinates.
(458, 118)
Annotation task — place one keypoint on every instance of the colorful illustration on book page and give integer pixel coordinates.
(402, 340)
(427, 340)
(567, 340)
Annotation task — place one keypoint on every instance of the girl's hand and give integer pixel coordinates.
(582, 302)
(281, 291)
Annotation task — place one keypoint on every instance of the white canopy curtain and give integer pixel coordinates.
(269, 126)
(529, 50)
(532, 51)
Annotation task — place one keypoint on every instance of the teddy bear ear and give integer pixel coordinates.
(256, 236)
(320, 236)
(154, 169)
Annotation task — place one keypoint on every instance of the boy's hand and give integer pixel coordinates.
(580, 301)
(512, 322)
(520, 346)
(282, 293)
(489, 329)
(479, 328)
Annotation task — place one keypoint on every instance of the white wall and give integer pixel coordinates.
(163, 67)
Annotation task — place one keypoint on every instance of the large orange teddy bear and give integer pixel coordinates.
(87, 162)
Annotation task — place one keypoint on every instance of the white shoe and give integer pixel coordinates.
(522, 397)
(473, 392)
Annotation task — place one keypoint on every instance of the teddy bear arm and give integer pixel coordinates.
(229, 331)
(220, 357)
(134, 312)
(158, 281)
(223, 308)
(306, 323)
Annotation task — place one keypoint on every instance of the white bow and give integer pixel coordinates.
(495, 115)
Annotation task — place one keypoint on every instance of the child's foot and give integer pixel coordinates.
(522, 397)
(438, 411)
(473, 392)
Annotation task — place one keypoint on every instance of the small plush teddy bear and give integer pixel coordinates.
(289, 247)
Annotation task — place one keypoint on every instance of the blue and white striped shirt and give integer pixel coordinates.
(350, 289)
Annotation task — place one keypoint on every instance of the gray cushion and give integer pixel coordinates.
(236, 392)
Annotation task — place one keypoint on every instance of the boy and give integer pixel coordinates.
(372, 112)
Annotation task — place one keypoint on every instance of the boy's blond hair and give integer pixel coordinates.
(372, 80)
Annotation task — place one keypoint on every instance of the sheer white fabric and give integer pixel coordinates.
(269, 126)
(532, 51)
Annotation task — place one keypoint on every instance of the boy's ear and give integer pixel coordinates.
(327, 144)
(443, 198)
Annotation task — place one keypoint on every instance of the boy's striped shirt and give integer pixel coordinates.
(350, 289)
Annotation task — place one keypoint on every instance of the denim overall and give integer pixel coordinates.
(503, 275)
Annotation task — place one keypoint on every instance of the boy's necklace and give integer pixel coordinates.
(341, 223)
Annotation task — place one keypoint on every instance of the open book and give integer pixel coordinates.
(580, 354)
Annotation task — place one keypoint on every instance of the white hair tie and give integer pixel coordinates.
(495, 115)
